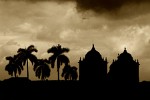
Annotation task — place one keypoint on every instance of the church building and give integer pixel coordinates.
(93, 67)
(124, 70)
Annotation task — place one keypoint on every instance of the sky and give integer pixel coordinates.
(111, 25)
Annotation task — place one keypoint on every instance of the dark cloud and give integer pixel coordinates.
(115, 9)
(109, 5)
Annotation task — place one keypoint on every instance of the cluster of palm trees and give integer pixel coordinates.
(41, 66)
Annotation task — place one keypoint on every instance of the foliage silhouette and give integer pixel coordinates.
(13, 67)
(74, 73)
(69, 73)
(26, 54)
(59, 56)
(41, 68)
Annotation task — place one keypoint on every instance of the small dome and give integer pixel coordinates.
(93, 54)
(125, 55)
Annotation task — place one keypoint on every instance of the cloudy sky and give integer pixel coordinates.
(111, 25)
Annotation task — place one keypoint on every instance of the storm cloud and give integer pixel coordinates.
(115, 9)
(107, 4)
(112, 9)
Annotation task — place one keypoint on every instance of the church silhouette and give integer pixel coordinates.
(124, 70)
(93, 68)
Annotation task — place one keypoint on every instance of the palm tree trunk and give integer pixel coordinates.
(58, 66)
(58, 73)
(27, 70)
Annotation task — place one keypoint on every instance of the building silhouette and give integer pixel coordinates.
(93, 68)
(124, 70)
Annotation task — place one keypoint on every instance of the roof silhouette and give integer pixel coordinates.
(125, 56)
(93, 53)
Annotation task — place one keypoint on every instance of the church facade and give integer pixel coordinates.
(93, 67)
(124, 70)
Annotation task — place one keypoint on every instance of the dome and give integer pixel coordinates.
(93, 54)
(125, 55)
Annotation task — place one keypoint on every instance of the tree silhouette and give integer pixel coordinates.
(26, 54)
(59, 56)
(13, 67)
(74, 74)
(66, 72)
(41, 68)
(69, 73)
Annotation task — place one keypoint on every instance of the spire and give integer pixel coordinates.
(80, 59)
(93, 48)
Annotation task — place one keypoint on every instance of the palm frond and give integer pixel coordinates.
(52, 60)
(63, 59)
(8, 67)
(14, 66)
(24, 61)
(19, 70)
(34, 50)
(52, 50)
(42, 69)
(38, 72)
(66, 69)
(74, 73)
(35, 66)
(70, 72)
(32, 58)
(21, 50)
(64, 50)
(30, 47)
(9, 58)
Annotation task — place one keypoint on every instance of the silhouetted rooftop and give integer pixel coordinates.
(125, 55)
(93, 53)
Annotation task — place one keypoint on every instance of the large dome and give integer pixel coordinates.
(125, 55)
(93, 54)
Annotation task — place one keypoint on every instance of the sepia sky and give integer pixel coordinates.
(111, 25)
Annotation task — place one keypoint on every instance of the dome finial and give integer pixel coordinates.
(93, 48)
(125, 49)
(93, 45)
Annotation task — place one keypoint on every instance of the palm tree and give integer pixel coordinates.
(26, 54)
(59, 56)
(41, 68)
(13, 67)
(69, 73)
(74, 74)
(66, 72)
